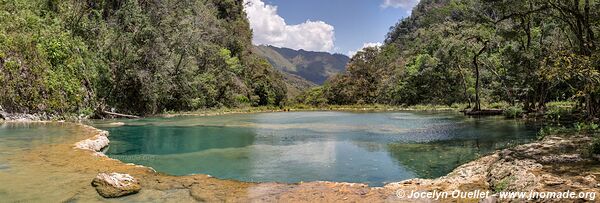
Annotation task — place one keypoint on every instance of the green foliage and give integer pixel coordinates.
(502, 53)
(136, 57)
(513, 112)
(459, 106)
(587, 127)
(241, 100)
(576, 128)
(557, 111)
(594, 148)
(313, 97)
(499, 105)
(553, 130)
(233, 63)
(561, 105)
(42, 67)
(503, 184)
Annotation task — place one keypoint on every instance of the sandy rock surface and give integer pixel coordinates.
(96, 143)
(116, 185)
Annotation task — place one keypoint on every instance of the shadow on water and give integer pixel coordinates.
(471, 139)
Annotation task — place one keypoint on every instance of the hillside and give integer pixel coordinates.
(522, 53)
(136, 57)
(315, 67)
(295, 85)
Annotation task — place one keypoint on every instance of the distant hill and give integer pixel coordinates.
(295, 84)
(315, 67)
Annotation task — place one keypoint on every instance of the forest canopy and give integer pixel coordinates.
(521, 52)
(133, 56)
(146, 57)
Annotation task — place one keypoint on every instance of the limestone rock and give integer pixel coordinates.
(514, 175)
(562, 158)
(95, 144)
(116, 185)
(551, 180)
(590, 180)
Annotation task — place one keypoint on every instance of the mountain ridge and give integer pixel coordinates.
(315, 67)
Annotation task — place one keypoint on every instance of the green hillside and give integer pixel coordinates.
(138, 57)
(315, 67)
(524, 53)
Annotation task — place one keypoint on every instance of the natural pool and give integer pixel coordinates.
(373, 148)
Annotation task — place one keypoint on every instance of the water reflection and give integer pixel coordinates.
(158, 140)
(373, 148)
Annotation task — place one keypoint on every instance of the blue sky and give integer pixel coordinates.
(340, 26)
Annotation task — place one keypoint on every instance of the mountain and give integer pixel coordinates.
(315, 67)
(295, 85)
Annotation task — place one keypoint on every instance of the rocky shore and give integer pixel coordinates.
(555, 164)
(25, 117)
(21, 117)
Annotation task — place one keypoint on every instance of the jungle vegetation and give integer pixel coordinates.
(131, 56)
(146, 57)
(523, 53)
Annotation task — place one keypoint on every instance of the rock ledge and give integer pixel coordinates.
(96, 143)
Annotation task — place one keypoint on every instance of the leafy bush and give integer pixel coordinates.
(197, 103)
(499, 105)
(552, 130)
(513, 112)
(585, 127)
(313, 97)
(459, 106)
(580, 127)
(557, 111)
(241, 99)
(594, 148)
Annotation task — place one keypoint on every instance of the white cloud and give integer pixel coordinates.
(365, 45)
(270, 28)
(405, 4)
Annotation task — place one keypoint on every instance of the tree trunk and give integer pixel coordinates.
(477, 88)
(477, 99)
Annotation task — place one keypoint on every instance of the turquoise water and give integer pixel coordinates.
(373, 148)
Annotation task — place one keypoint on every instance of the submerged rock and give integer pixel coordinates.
(116, 124)
(115, 185)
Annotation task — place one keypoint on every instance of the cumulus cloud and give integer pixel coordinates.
(271, 29)
(405, 4)
(365, 45)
